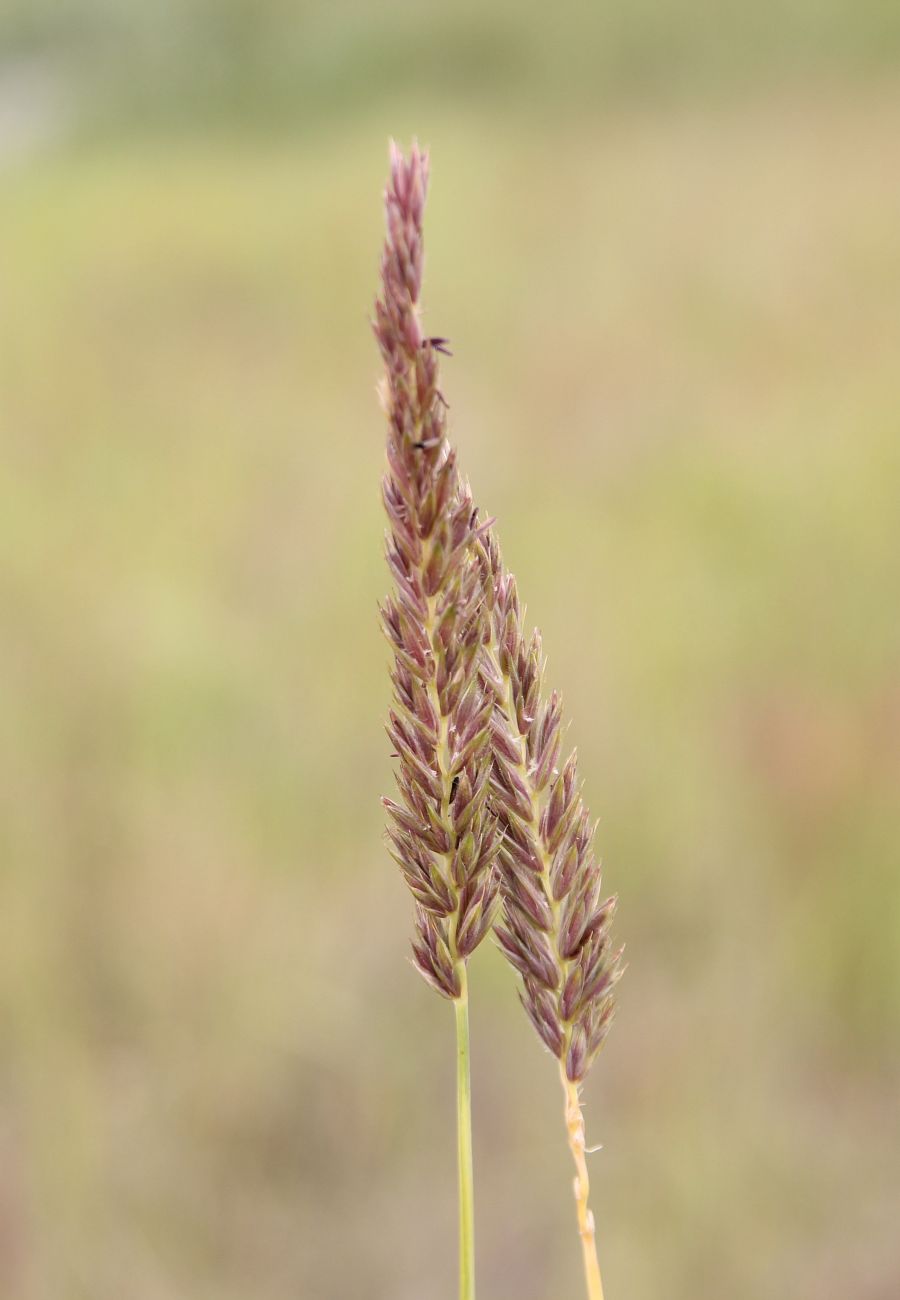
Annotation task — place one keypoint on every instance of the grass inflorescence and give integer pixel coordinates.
(485, 815)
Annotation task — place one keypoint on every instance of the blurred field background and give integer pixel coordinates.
(665, 244)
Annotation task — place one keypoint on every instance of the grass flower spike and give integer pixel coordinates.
(483, 803)
(555, 929)
(441, 832)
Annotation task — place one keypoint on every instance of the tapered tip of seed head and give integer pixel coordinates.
(409, 178)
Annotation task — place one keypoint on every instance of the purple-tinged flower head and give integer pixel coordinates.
(555, 927)
(440, 832)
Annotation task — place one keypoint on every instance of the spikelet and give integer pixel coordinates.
(441, 831)
(555, 926)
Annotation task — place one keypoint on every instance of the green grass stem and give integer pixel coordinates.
(464, 1145)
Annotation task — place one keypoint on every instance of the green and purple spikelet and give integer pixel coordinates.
(441, 832)
(555, 927)
(483, 802)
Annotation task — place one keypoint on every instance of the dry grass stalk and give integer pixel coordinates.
(555, 928)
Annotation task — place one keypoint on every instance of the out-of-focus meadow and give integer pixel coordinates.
(666, 248)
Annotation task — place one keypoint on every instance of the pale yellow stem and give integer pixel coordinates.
(582, 1186)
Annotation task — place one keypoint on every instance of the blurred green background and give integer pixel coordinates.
(665, 244)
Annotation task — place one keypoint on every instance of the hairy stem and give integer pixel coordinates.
(464, 1146)
(582, 1186)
